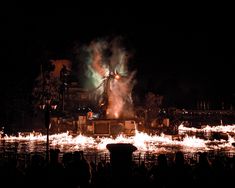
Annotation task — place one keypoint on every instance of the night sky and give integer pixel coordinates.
(182, 58)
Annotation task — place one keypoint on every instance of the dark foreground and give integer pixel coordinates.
(73, 171)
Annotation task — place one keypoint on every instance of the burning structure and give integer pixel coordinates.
(103, 105)
(107, 90)
(111, 84)
(108, 76)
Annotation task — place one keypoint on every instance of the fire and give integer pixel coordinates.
(109, 77)
(116, 115)
(117, 77)
(143, 141)
(31, 137)
(192, 141)
(220, 128)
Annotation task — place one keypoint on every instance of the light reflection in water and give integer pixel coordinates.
(186, 141)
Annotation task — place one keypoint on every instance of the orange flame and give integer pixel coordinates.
(142, 141)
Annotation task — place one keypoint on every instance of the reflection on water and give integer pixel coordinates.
(189, 140)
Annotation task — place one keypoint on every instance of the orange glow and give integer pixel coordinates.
(142, 141)
(58, 66)
(117, 77)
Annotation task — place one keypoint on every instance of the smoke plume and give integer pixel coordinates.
(107, 72)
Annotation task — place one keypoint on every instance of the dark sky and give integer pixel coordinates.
(183, 58)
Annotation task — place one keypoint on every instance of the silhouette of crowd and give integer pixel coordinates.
(73, 170)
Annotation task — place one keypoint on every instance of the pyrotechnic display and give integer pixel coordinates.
(113, 99)
(110, 83)
(144, 142)
(107, 73)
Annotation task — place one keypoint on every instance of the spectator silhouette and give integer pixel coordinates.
(160, 172)
(100, 175)
(55, 170)
(85, 171)
(181, 174)
(35, 173)
(76, 172)
(67, 161)
(203, 172)
(80, 170)
(11, 176)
